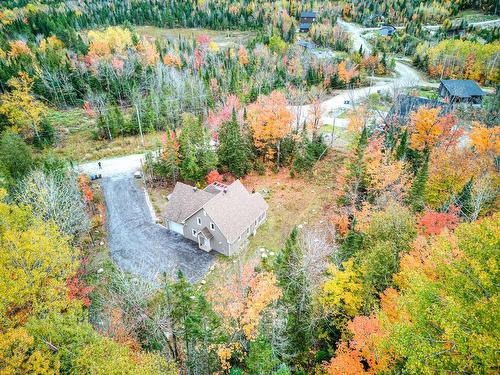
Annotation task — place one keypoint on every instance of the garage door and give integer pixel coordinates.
(176, 227)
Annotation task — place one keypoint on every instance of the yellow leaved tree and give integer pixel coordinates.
(112, 40)
(35, 262)
(22, 110)
(341, 294)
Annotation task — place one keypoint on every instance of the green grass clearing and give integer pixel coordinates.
(471, 15)
(76, 138)
(223, 38)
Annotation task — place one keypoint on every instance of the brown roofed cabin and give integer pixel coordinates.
(219, 217)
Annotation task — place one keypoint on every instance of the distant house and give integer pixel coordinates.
(219, 217)
(306, 20)
(304, 27)
(387, 30)
(404, 105)
(461, 91)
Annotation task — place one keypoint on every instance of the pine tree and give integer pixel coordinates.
(357, 170)
(194, 325)
(402, 148)
(296, 298)
(417, 192)
(234, 150)
(190, 169)
(464, 200)
(198, 158)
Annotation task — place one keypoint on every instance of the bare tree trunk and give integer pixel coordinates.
(139, 122)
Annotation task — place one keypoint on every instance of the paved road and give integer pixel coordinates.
(114, 166)
(480, 24)
(406, 76)
(137, 244)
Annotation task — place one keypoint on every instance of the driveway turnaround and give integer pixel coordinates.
(139, 245)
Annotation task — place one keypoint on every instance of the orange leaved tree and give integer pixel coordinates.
(270, 119)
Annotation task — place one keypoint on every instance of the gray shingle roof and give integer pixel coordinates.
(405, 104)
(305, 26)
(307, 14)
(208, 235)
(235, 210)
(462, 88)
(184, 201)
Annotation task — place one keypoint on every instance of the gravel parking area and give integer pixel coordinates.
(139, 245)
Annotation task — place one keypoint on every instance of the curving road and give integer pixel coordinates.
(406, 76)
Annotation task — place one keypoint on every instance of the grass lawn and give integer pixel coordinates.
(76, 140)
(227, 38)
(471, 15)
(429, 93)
(338, 132)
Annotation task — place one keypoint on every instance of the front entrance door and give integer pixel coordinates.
(204, 243)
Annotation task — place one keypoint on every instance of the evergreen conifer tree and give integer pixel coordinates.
(464, 200)
(234, 151)
(417, 192)
(296, 298)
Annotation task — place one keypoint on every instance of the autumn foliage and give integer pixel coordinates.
(358, 355)
(430, 129)
(270, 120)
(214, 176)
(432, 223)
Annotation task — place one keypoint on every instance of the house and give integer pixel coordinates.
(219, 217)
(387, 30)
(306, 19)
(307, 16)
(461, 91)
(304, 27)
(404, 105)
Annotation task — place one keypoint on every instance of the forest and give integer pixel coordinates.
(380, 254)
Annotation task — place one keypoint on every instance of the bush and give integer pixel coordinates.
(46, 136)
(15, 157)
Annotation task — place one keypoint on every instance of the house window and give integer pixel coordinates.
(239, 238)
(212, 226)
(198, 219)
(248, 230)
(193, 231)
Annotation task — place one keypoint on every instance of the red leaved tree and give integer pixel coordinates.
(214, 176)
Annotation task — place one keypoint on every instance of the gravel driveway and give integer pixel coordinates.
(137, 244)
(140, 246)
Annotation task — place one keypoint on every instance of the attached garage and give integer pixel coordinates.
(176, 227)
